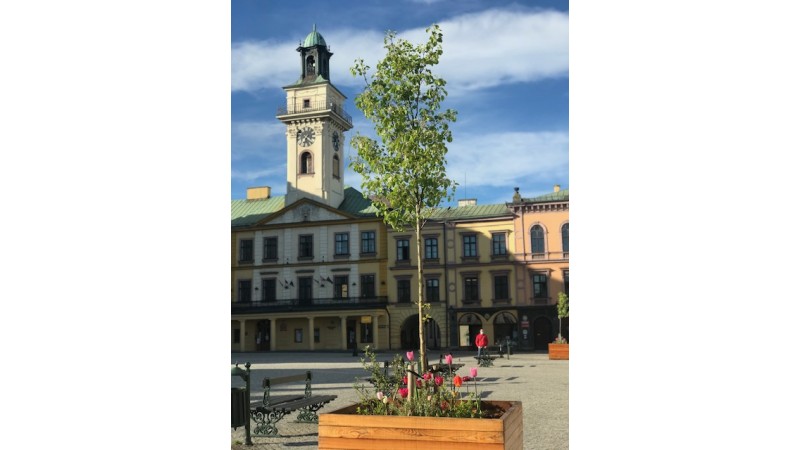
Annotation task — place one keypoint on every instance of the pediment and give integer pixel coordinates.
(304, 211)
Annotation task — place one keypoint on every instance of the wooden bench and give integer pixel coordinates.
(272, 408)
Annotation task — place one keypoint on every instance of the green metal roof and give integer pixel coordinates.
(354, 203)
(560, 196)
(250, 212)
(314, 38)
(470, 212)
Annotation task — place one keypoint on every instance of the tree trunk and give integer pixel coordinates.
(421, 300)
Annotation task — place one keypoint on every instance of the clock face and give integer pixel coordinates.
(305, 137)
(335, 141)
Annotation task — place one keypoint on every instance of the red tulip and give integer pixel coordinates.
(457, 380)
(403, 392)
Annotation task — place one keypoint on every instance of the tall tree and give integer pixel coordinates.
(404, 174)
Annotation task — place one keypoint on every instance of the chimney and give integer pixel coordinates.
(556, 188)
(468, 202)
(258, 193)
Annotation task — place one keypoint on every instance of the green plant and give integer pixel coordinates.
(563, 311)
(403, 392)
(404, 173)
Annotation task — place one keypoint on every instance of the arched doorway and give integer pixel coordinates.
(469, 325)
(542, 333)
(262, 335)
(505, 327)
(409, 334)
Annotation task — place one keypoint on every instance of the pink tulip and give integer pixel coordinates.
(448, 359)
(380, 395)
(410, 355)
(438, 380)
(473, 372)
(427, 375)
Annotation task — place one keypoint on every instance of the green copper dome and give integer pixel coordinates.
(314, 38)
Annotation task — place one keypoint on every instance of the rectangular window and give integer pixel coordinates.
(403, 250)
(501, 287)
(539, 285)
(316, 335)
(431, 248)
(306, 103)
(305, 290)
(270, 249)
(403, 291)
(246, 250)
(368, 286)
(499, 244)
(432, 289)
(566, 282)
(367, 242)
(341, 243)
(268, 290)
(470, 246)
(298, 335)
(471, 289)
(340, 286)
(237, 333)
(245, 288)
(306, 246)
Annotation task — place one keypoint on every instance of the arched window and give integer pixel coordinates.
(306, 163)
(565, 238)
(310, 66)
(537, 239)
(336, 166)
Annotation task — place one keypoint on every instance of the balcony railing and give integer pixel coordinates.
(314, 107)
(314, 304)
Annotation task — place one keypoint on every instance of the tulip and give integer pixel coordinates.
(457, 381)
(438, 380)
(405, 379)
(427, 375)
(419, 383)
(410, 355)
(380, 395)
(448, 359)
(385, 400)
(473, 372)
(403, 392)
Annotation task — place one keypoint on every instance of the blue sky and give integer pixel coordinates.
(506, 65)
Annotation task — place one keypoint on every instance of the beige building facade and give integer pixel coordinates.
(317, 270)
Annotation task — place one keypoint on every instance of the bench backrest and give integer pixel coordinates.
(269, 382)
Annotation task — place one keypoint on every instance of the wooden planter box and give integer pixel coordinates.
(558, 351)
(344, 429)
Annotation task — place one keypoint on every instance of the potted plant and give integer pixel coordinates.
(403, 409)
(559, 349)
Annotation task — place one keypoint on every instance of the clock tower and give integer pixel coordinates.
(315, 124)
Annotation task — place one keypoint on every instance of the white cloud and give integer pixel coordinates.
(250, 139)
(276, 173)
(508, 159)
(481, 50)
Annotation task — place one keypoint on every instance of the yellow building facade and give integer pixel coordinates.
(317, 270)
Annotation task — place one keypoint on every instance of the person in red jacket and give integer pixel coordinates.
(481, 341)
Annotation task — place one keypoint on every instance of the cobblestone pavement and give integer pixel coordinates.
(541, 384)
